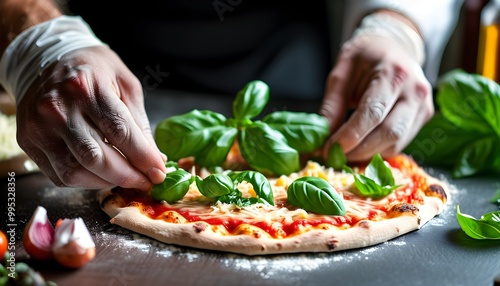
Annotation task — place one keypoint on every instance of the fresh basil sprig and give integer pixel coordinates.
(215, 185)
(465, 134)
(486, 227)
(316, 195)
(377, 181)
(270, 146)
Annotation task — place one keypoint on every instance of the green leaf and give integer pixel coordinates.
(215, 153)
(260, 184)
(316, 195)
(378, 171)
(187, 134)
(174, 187)
(377, 182)
(266, 150)
(250, 101)
(439, 141)
(480, 156)
(470, 101)
(468, 125)
(336, 157)
(304, 132)
(215, 185)
(487, 227)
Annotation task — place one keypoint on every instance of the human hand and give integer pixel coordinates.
(79, 113)
(384, 85)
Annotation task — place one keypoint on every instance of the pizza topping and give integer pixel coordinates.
(316, 195)
(336, 157)
(174, 187)
(215, 185)
(377, 182)
(270, 146)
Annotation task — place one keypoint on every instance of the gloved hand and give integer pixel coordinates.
(73, 120)
(379, 78)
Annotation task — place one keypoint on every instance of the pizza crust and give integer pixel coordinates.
(403, 219)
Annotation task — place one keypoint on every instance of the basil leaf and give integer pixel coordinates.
(336, 157)
(377, 182)
(250, 101)
(260, 184)
(316, 195)
(174, 187)
(480, 156)
(186, 135)
(470, 101)
(469, 125)
(215, 153)
(304, 132)
(487, 227)
(215, 185)
(266, 150)
(439, 141)
(378, 171)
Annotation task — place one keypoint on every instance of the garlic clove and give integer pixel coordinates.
(38, 235)
(73, 245)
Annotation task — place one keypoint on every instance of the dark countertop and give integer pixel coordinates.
(438, 254)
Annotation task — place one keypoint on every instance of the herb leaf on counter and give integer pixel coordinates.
(487, 227)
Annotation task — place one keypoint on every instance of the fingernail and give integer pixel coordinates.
(164, 157)
(156, 175)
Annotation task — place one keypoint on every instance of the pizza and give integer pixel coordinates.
(264, 228)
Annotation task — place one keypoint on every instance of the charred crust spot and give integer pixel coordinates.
(199, 227)
(331, 244)
(403, 208)
(262, 247)
(364, 224)
(279, 246)
(256, 234)
(105, 201)
(436, 190)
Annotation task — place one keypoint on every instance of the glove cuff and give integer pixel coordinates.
(386, 26)
(36, 48)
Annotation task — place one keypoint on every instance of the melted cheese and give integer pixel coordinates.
(282, 214)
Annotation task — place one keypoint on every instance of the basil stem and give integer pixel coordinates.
(250, 101)
(215, 185)
(266, 150)
(316, 195)
(174, 187)
(487, 227)
(304, 132)
(260, 184)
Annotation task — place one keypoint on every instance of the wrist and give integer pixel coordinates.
(389, 24)
(38, 47)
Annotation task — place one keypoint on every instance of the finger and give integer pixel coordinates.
(135, 103)
(98, 158)
(375, 105)
(117, 125)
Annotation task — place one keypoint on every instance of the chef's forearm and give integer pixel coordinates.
(18, 15)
